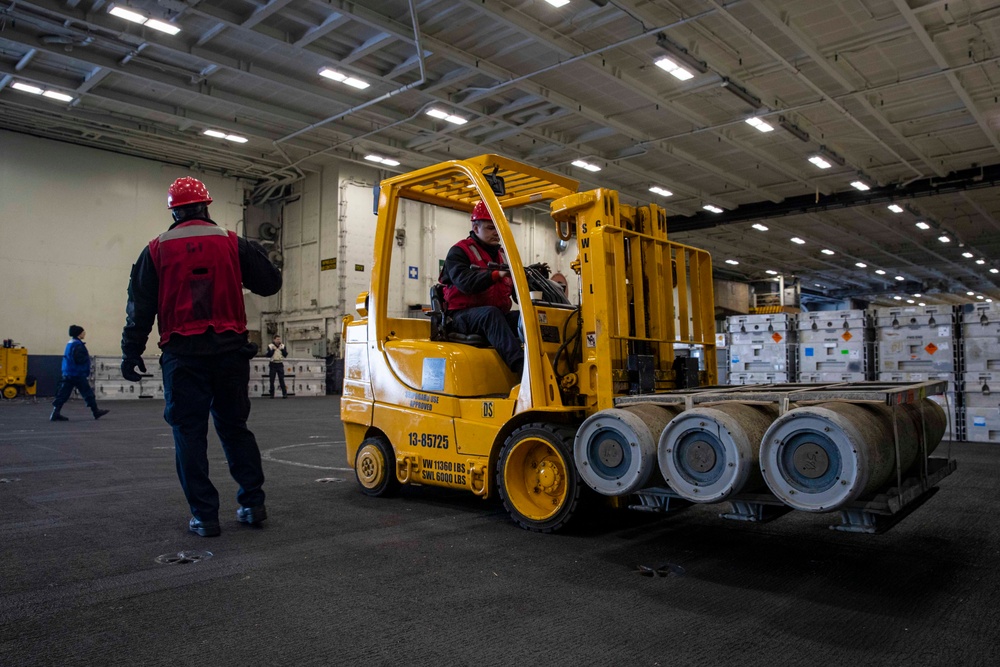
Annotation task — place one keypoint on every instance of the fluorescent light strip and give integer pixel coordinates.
(944, 239)
(56, 95)
(673, 68)
(900, 278)
(585, 165)
(663, 192)
(796, 239)
(759, 227)
(732, 261)
(880, 272)
(162, 26)
(444, 115)
(26, 88)
(861, 265)
(235, 138)
(215, 133)
(388, 162)
(123, 13)
(820, 162)
(923, 225)
(711, 208)
(895, 208)
(759, 124)
(826, 251)
(558, 3)
(860, 185)
(967, 255)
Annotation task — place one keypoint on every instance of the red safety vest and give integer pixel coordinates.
(201, 285)
(498, 294)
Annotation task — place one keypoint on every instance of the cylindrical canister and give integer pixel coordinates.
(707, 454)
(615, 449)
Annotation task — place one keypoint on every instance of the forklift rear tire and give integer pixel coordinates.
(537, 479)
(375, 467)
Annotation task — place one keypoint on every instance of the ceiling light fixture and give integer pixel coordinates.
(967, 255)
(860, 185)
(793, 129)
(980, 261)
(917, 296)
(669, 66)
(680, 54)
(759, 227)
(759, 124)
(141, 19)
(979, 296)
(56, 95)
(861, 265)
(732, 261)
(742, 93)
(826, 251)
(898, 298)
(558, 3)
(944, 239)
(382, 160)
(770, 272)
(989, 300)
(880, 272)
(35, 90)
(450, 117)
(994, 270)
(901, 278)
(215, 133)
(663, 192)
(237, 139)
(969, 293)
(831, 156)
(923, 225)
(796, 239)
(909, 301)
(921, 304)
(895, 208)
(820, 162)
(585, 165)
(712, 208)
(346, 79)
(26, 88)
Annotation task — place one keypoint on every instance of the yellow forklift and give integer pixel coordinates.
(617, 393)
(14, 378)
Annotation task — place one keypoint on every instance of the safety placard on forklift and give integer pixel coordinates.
(421, 401)
(432, 377)
(591, 339)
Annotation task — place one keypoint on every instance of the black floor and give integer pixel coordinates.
(442, 578)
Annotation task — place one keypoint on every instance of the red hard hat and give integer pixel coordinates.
(187, 190)
(480, 212)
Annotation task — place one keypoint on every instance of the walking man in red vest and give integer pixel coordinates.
(478, 298)
(191, 279)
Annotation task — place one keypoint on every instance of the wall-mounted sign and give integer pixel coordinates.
(359, 267)
(328, 264)
(414, 274)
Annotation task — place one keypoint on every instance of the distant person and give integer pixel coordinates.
(276, 353)
(190, 279)
(478, 298)
(75, 375)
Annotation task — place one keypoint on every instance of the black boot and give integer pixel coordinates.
(100, 413)
(56, 417)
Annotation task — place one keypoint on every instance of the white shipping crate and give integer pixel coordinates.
(982, 424)
(310, 388)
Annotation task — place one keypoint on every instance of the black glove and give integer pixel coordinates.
(128, 368)
(250, 350)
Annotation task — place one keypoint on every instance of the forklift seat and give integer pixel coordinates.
(441, 322)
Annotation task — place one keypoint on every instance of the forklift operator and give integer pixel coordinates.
(479, 299)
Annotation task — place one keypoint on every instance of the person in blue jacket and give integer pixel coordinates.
(75, 374)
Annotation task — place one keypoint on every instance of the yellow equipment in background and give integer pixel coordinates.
(616, 393)
(14, 378)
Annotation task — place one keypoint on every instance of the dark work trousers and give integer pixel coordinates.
(499, 328)
(194, 387)
(66, 386)
(279, 370)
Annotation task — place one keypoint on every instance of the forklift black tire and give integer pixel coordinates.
(375, 467)
(537, 478)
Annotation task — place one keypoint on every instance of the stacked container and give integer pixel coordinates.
(835, 346)
(109, 385)
(981, 377)
(762, 348)
(722, 358)
(916, 344)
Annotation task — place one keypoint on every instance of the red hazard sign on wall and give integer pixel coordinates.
(931, 348)
(776, 337)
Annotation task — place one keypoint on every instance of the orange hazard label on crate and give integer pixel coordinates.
(847, 336)
(931, 348)
(776, 337)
